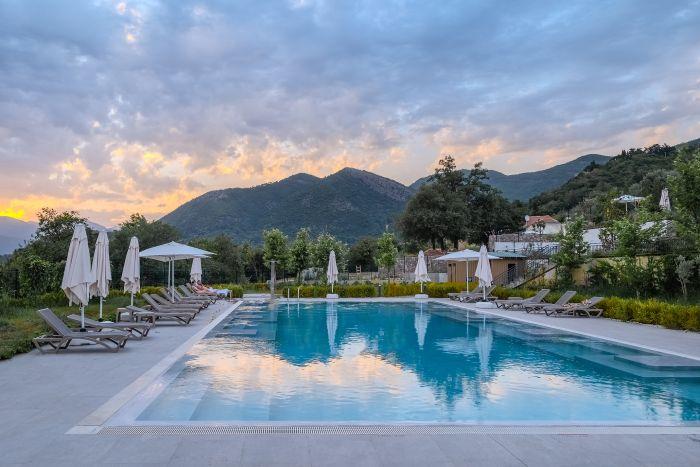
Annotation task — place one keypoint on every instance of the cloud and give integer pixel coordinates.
(115, 106)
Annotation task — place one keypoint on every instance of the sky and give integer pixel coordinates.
(115, 107)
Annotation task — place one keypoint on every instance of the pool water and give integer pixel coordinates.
(412, 362)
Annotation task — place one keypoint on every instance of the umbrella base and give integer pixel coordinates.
(421, 295)
(332, 295)
(485, 305)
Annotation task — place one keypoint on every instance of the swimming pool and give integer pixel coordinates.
(380, 362)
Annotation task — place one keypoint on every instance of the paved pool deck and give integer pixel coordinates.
(42, 397)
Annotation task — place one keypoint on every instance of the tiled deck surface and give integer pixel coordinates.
(43, 396)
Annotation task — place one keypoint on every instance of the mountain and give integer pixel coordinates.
(13, 233)
(639, 172)
(524, 186)
(349, 204)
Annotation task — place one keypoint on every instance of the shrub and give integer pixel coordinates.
(670, 315)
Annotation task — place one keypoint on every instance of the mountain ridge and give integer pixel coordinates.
(349, 203)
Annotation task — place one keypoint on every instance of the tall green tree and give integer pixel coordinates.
(363, 254)
(387, 251)
(275, 247)
(300, 252)
(321, 249)
(228, 263)
(685, 194)
(573, 250)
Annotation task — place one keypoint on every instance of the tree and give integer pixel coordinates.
(228, 263)
(150, 234)
(573, 250)
(300, 252)
(275, 248)
(321, 250)
(685, 268)
(363, 254)
(387, 252)
(685, 194)
(454, 206)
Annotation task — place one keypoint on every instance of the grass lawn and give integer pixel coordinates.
(19, 325)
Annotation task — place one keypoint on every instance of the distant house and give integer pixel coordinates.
(546, 225)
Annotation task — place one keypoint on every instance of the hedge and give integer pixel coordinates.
(669, 315)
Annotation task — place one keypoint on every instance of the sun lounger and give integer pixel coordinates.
(585, 308)
(519, 302)
(163, 305)
(165, 300)
(137, 330)
(179, 298)
(152, 316)
(62, 335)
(212, 297)
(548, 307)
(476, 295)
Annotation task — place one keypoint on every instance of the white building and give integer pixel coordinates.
(544, 225)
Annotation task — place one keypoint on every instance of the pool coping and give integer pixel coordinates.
(94, 422)
(97, 421)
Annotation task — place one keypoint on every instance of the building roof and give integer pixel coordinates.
(507, 254)
(463, 255)
(532, 220)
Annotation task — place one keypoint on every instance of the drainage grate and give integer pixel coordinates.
(386, 430)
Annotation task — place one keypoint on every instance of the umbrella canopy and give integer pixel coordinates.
(665, 201)
(131, 274)
(196, 271)
(332, 271)
(463, 255)
(174, 251)
(421, 271)
(77, 275)
(101, 268)
(628, 199)
(483, 269)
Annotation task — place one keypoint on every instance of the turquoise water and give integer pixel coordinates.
(393, 362)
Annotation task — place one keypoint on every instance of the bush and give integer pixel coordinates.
(670, 315)
(320, 291)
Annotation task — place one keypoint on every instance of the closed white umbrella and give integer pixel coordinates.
(101, 268)
(421, 271)
(332, 271)
(483, 270)
(196, 271)
(420, 322)
(331, 326)
(131, 274)
(484, 343)
(665, 201)
(77, 275)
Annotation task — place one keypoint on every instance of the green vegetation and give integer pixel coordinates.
(350, 204)
(524, 186)
(457, 207)
(387, 252)
(573, 250)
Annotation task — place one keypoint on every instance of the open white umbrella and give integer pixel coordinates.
(332, 271)
(665, 201)
(196, 270)
(131, 274)
(483, 270)
(101, 269)
(77, 275)
(421, 271)
(171, 252)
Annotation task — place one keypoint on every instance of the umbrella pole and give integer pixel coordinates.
(82, 317)
(100, 308)
(132, 298)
